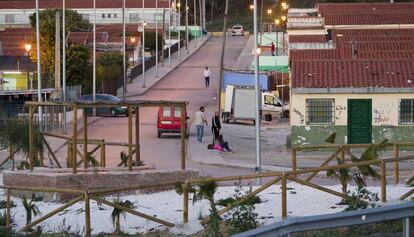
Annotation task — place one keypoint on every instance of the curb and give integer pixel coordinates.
(172, 69)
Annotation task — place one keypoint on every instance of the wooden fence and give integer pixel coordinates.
(73, 141)
(276, 176)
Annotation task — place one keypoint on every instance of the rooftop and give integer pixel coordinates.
(79, 4)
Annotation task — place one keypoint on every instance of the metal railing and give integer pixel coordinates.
(292, 225)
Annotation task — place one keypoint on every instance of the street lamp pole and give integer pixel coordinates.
(143, 45)
(39, 72)
(94, 57)
(186, 26)
(179, 30)
(156, 38)
(64, 64)
(124, 91)
(169, 33)
(258, 167)
(28, 48)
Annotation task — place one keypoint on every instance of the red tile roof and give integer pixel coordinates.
(364, 7)
(14, 40)
(79, 4)
(351, 73)
(307, 38)
(314, 54)
(346, 18)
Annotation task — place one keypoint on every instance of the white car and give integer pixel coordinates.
(237, 30)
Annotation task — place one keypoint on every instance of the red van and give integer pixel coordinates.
(169, 120)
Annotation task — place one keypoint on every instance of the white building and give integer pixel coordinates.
(16, 13)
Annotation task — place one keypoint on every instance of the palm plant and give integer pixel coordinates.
(345, 175)
(116, 213)
(124, 159)
(31, 209)
(92, 161)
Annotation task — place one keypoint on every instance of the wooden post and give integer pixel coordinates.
(130, 137)
(31, 158)
(137, 145)
(87, 215)
(103, 154)
(185, 204)
(383, 182)
(342, 154)
(396, 164)
(70, 151)
(74, 138)
(85, 140)
(183, 131)
(11, 154)
(294, 166)
(8, 215)
(284, 196)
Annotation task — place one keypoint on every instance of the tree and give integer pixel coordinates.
(78, 65)
(116, 213)
(109, 68)
(47, 34)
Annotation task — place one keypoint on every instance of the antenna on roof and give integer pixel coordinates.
(354, 50)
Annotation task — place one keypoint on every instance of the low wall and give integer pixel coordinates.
(93, 178)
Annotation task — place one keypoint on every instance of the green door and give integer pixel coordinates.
(359, 121)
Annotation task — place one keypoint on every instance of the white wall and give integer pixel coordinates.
(22, 16)
(384, 107)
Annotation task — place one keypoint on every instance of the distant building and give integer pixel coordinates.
(352, 72)
(16, 13)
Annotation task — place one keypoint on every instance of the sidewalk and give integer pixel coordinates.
(136, 88)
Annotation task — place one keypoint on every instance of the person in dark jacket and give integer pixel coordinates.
(215, 126)
(223, 144)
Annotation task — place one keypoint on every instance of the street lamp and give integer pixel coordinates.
(269, 11)
(133, 39)
(251, 7)
(277, 22)
(283, 18)
(284, 5)
(28, 48)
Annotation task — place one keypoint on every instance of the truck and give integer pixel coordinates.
(240, 103)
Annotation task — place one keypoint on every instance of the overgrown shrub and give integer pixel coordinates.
(242, 216)
(361, 198)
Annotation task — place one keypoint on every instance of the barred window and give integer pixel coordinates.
(320, 111)
(406, 112)
(134, 17)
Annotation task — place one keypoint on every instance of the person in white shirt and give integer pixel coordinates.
(206, 75)
(199, 120)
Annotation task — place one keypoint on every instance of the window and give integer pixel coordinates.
(320, 111)
(109, 15)
(166, 112)
(177, 112)
(9, 18)
(133, 17)
(115, 15)
(406, 112)
(103, 15)
(268, 100)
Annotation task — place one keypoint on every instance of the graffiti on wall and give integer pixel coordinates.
(301, 116)
(382, 114)
(339, 109)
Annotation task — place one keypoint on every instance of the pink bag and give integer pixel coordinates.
(217, 147)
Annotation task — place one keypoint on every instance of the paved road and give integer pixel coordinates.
(184, 83)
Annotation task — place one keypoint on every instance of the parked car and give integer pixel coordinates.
(169, 120)
(107, 111)
(237, 30)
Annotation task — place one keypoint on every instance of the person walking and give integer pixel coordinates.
(206, 75)
(273, 49)
(215, 126)
(199, 120)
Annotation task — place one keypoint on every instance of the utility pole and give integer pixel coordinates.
(57, 84)
(169, 32)
(64, 64)
(94, 55)
(143, 45)
(186, 26)
(179, 30)
(223, 46)
(39, 72)
(201, 18)
(163, 37)
(124, 91)
(204, 14)
(212, 10)
(257, 90)
(156, 38)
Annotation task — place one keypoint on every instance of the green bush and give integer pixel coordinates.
(361, 198)
(242, 216)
